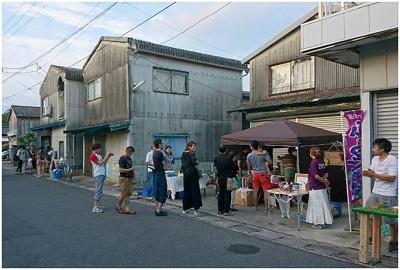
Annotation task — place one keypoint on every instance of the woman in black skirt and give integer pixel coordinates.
(191, 175)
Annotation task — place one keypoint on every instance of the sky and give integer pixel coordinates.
(30, 29)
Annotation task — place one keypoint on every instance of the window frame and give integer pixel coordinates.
(46, 98)
(163, 136)
(292, 62)
(171, 72)
(94, 82)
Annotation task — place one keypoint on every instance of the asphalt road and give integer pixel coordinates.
(47, 224)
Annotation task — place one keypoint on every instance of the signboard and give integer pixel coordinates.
(334, 158)
(353, 154)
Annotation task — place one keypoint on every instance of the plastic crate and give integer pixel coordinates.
(336, 209)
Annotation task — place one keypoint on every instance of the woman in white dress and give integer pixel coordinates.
(318, 210)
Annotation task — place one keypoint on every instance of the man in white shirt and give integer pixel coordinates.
(150, 171)
(384, 170)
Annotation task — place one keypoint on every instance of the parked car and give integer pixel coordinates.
(5, 155)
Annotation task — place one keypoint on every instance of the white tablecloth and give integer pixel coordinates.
(175, 184)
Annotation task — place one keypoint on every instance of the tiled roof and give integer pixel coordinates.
(26, 111)
(300, 100)
(180, 54)
(73, 74)
(149, 47)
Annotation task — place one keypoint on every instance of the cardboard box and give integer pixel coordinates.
(244, 197)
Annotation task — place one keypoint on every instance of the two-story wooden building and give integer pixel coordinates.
(285, 83)
(20, 120)
(137, 91)
(62, 107)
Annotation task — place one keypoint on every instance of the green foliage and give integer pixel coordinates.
(26, 139)
(5, 117)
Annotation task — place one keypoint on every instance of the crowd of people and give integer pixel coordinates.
(252, 162)
(29, 159)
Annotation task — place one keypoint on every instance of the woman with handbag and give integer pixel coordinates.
(191, 176)
(226, 181)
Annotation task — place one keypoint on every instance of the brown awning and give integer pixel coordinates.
(282, 133)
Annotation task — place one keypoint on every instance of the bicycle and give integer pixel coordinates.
(67, 167)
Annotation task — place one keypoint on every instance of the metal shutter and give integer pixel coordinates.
(386, 118)
(331, 122)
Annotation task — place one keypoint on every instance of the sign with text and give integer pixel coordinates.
(353, 154)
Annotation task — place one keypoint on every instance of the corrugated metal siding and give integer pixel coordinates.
(331, 122)
(330, 75)
(387, 118)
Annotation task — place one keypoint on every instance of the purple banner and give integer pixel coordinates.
(353, 154)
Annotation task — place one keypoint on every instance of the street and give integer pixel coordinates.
(47, 224)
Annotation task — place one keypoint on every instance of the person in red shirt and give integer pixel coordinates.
(126, 177)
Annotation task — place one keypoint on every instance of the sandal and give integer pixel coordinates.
(129, 213)
(119, 210)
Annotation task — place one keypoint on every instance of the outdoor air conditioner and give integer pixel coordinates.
(47, 111)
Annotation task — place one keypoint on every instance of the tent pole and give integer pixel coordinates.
(298, 160)
(345, 169)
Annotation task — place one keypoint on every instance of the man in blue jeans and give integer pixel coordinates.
(160, 179)
(150, 172)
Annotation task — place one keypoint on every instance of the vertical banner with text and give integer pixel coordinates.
(353, 154)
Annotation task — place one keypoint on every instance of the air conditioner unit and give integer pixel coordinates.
(47, 111)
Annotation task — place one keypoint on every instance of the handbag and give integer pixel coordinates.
(231, 184)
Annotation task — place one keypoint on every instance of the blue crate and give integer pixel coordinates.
(336, 209)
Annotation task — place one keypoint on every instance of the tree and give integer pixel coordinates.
(26, 139)
(5, 117)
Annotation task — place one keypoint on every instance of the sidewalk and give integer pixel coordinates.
(331, 242)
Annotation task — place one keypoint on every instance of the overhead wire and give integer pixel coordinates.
(130, 30)
(67, 37)
(187, 34)
(196, 23)
(23, 15)
(28, 21)
(12, 16)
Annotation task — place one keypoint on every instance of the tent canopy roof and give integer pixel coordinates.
(282, 133)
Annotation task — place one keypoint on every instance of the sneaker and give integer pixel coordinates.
(97, 210)
(228, 214)
(160, 214)
(233, 209)
(185, 212)
(220, 213)
(101, 207)
(393, 246)
(318, 227)
(266, 210)
(195, 213)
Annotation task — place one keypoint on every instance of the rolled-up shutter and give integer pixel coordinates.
(331, 122)
(386, 117)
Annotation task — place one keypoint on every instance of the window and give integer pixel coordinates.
(293, 76)
(61, 149)
(46, 111)
(170, 81)
(94, 89)
(177, 142)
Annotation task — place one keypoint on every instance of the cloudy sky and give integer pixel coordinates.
(32, 28)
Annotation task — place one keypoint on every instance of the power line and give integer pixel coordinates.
(33, 64)
(69, 44)
(193, 25)
(68, 37)
(155, 14)
(195, 81)
(28, 21)
(27, 89)
(23, 15)
(133, 28)
(189, 35)
(12, 16)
